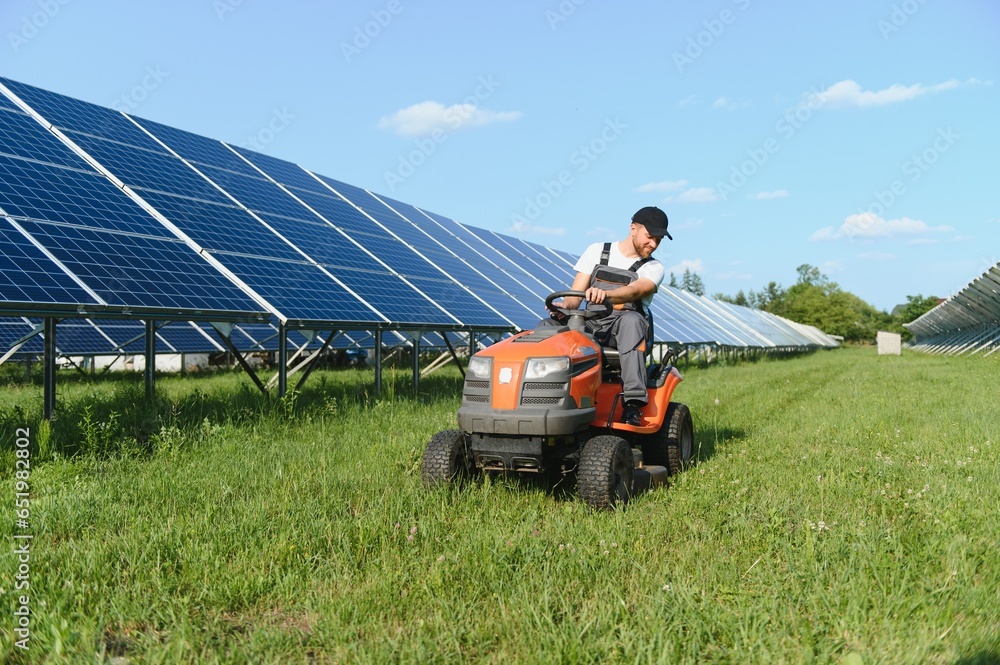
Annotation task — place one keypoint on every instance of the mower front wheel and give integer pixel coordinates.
(604, 477)
(445, 459)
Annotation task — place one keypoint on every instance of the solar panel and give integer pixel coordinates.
(22, 136)
(68, 113)
(187, 337)
(149, 170)
(139, 271)
(41, 191)
(14, 329)
(28, 276)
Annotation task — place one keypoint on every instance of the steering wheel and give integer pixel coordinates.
(579, 314)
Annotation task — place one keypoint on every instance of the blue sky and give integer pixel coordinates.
(860, 137)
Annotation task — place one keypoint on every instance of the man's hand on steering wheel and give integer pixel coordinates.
(596, 295)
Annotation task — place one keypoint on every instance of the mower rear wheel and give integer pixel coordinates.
(673, 445)
(445, 459)
(604, 477)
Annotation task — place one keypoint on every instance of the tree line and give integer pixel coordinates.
(815, 300)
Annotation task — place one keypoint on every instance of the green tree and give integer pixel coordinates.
(691, 281)
(673, 281)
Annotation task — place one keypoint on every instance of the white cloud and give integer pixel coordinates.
(695, 195)
(729, 104)
(427, 117)
(867, 226)
(923, 241)
(662, 186)
(877, 256)
(600, 231)
(687, 101)
(521, 229)
(776, 194)
(849, 93)
(695, 265)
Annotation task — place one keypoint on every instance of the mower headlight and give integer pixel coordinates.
(479, 368)
(539, 368)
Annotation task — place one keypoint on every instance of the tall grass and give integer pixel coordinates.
(845, 507)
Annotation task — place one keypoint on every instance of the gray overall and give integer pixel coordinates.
(628, 329)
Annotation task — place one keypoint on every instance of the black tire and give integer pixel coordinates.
(604, 477)
(445, 459)
(673, 445)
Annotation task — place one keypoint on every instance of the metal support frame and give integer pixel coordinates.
(378, 363)
(315, 359)
(239, 358)
(454, 355)
(49, 371)
(282, 359)
(416, 362)
(150, 370)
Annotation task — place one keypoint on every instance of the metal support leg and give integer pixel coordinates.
(416, 363)
(150, 357)
(378, 363)
(282, 360)
(49, 369)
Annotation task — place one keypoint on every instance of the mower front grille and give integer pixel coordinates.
(480, 385)
(544, 386)
(540, 400)
(477, 398)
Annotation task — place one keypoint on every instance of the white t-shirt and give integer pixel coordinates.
(651, 270)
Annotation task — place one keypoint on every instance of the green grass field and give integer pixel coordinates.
(845, 508)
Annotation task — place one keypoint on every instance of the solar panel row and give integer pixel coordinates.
(967, 322)
(100, 207)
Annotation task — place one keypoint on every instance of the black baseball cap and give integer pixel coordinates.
(654, 219)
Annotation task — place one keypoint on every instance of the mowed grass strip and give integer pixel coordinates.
(845, 508)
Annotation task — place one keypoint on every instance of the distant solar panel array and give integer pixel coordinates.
(116, 220)
(966, 323)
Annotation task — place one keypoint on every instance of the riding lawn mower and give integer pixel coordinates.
(549, 401)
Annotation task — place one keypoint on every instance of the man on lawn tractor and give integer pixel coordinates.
(548, 400)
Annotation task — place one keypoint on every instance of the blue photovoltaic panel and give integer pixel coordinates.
(506, 274)
(147, 169)
(139, 271)
(198, 149)
(387, 292)
(298, 290)
(22, 136)
(549, 282)
(68, 113)
(218, 227)
(287, 173)
(40, 191)
(183, 337)
(28, 276)
(80, 337)
(546, 271)
(500, 279)
(11, 330)
(258, 194)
